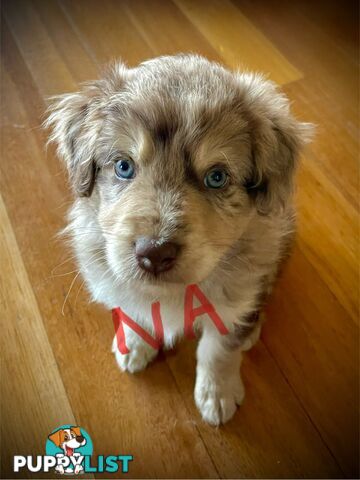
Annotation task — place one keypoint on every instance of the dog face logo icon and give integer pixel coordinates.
(68, 439)
(69, 444)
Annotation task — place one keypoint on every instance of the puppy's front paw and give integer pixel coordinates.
(217, 399)
(140, 355)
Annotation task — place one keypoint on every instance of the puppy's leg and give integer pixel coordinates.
(141, 353)
(218, 387)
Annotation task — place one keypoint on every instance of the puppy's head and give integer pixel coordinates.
(176, 156)
(68, 439)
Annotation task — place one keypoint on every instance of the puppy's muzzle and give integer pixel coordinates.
(155, 256)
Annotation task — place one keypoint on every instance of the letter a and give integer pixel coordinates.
(190, 313)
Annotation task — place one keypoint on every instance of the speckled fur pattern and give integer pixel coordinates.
(177, 117)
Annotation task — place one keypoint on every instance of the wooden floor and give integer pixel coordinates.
(300, 415)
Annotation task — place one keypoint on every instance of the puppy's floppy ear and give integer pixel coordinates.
(57, 437)
(276, 140)
(76, 120)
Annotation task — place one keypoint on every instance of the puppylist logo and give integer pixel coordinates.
(69, 450)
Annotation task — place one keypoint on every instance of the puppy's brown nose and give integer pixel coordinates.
(154, 256)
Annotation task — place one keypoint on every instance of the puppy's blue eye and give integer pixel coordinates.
(125, 168)
(216, 178)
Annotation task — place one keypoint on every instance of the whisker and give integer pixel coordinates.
(68, 293)
(77, 295)
(72, 257)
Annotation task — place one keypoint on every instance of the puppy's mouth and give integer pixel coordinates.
(69, 451)
(159, 278)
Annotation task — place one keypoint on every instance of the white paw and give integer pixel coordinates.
(140, 355)
(217, 400)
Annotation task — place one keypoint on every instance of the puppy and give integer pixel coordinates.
(183, 174)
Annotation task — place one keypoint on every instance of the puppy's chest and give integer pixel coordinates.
(179, 315)
(172, 304)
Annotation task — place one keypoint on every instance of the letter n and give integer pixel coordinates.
(119, 317)
(190, 313)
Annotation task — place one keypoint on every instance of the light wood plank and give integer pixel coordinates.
(34, 399)
(166, 29)
(236, 39)
(316, 345)
(108, 32)
(48, 70)
(329, 229)
(69, 45)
